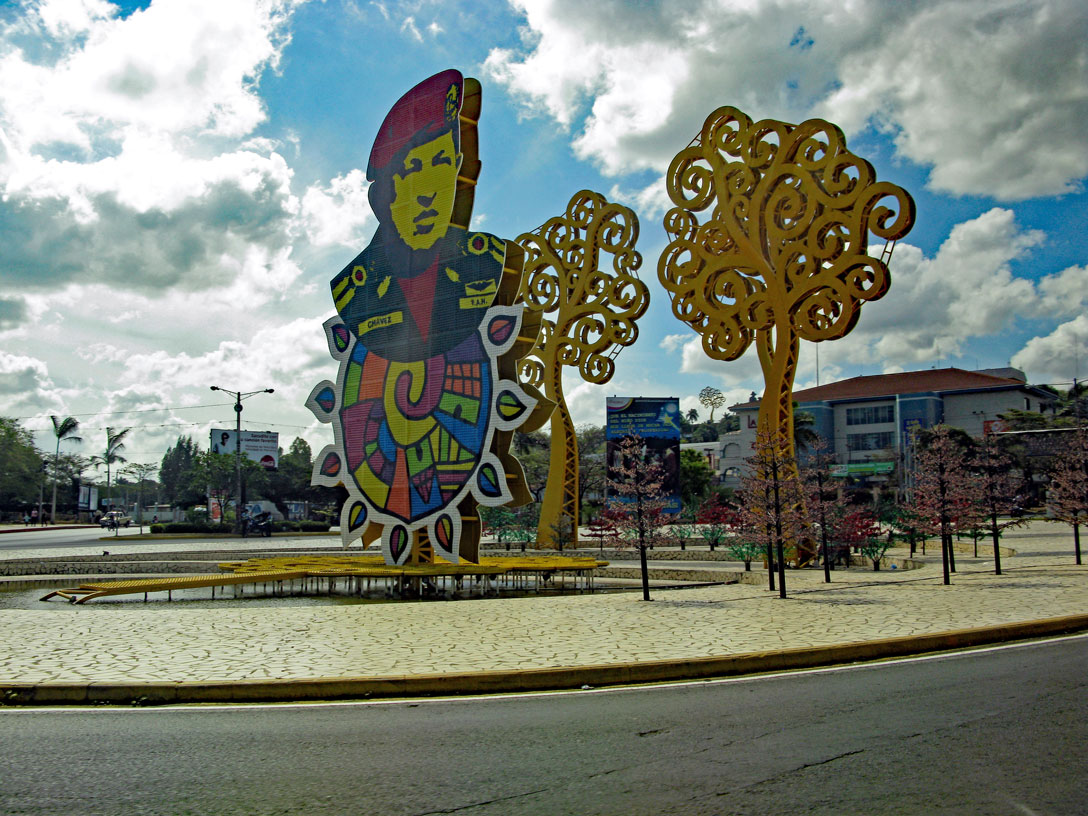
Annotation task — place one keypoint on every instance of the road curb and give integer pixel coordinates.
(543, 679)
(48, 527)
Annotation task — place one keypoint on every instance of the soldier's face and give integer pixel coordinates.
(423, 191)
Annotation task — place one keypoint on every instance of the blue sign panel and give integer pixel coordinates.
(655, 420)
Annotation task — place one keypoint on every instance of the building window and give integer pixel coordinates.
(870, 414)
(870, 441)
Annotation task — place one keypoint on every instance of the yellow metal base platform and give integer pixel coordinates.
(530, 573)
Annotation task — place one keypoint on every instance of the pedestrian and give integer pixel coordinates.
(33, 516)
(26, 519)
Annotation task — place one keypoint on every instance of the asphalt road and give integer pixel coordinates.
(50, 537)
(988, 732)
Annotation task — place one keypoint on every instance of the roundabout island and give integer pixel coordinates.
(123, 651)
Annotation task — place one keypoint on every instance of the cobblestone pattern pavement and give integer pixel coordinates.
(160, 642)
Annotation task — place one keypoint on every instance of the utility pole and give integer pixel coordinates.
(238, 397)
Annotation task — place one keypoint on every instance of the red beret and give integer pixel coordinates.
(432, 106)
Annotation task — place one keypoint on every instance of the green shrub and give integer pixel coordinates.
(304, 526)
(189, 527)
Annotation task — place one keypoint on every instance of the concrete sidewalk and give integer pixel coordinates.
(163, 653)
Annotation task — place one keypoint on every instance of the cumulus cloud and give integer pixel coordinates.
(935, 306)
(966, 290)
(734, 378)
(1065, 293)
(26, 387)
(652, 201)
(1059, 356)
(338, 213)
(170, 67)
(990, 95)
(117, 165)
(152, 251)
(291, 358)
(158, 384)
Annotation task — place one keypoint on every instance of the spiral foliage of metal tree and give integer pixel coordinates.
(590, 314)
(782, 253)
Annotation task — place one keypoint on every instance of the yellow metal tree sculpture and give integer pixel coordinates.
(783, 252)
(591, 313)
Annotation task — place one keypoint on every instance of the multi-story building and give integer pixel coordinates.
(867, 421)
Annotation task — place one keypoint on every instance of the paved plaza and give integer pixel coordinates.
(134, 643)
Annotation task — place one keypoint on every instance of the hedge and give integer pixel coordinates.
(205, 527)
(300, 526)
(190, 527)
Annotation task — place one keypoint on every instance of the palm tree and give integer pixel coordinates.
(804, 429)
(693, 415)
(62, 429)
(114, 445)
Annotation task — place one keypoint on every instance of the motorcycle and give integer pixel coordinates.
(260, 525)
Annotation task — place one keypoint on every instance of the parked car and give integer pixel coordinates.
(115, 518)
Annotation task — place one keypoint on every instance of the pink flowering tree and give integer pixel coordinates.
(859, 530)
(820, 498)
(772, 500)
(1067, 495)
(637, 501)
(997, 492)
(716, 518)
(945, 492)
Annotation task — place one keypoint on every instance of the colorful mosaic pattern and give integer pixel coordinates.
(421, 329)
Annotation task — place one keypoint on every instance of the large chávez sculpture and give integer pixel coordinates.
(428, 337)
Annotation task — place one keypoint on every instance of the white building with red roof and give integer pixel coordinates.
(867, 421)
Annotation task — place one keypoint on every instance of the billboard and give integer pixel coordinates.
(657, 421)
(88, 497)
(263, 447)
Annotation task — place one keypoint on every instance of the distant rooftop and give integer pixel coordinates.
(940, 380)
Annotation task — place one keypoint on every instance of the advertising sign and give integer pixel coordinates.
(862, 469)
(88, 497)
(656, 420)
(263, 447)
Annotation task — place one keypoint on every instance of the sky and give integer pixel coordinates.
(182, 178)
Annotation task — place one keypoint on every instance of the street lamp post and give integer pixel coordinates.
(238, 397)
